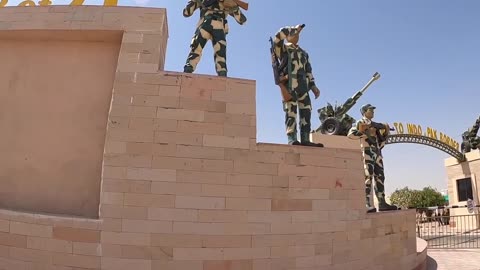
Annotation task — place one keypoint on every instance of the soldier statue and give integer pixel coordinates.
(373, 137)
(213, 25)
(295, 79)
(470, 138)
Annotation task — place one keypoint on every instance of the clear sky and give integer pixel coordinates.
(427, 52)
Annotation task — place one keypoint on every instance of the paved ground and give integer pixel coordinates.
(459, 241)
(453, 259)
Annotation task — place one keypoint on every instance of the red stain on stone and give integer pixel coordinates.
(338, 184)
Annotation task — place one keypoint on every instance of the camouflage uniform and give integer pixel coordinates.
(213, 25)
(296, 66)
(372, 145)
(470, 138)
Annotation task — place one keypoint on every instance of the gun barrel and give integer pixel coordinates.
(375, 77)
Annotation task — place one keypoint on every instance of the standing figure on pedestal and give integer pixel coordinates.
(212, 26)
(293, 74)
(373, 137)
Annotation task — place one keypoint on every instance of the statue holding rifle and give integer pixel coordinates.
(373, 137)
(293, 74)
(470, 138)
(212, 26)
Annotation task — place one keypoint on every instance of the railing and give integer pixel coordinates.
(449, 231)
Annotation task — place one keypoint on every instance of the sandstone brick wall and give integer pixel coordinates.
(186, 186)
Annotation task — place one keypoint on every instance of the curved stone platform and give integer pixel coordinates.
(184, 183)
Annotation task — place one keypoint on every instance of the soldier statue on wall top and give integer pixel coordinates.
(293, 74)
(213, 25)
(373, 137)
(470, 138)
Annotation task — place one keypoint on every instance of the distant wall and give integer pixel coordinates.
(470, 169)
(57, 70)
(54, 106)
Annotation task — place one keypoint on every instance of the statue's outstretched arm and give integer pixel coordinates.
(238, 15)
(192, 5)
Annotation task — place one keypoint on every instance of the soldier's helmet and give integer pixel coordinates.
(365, 107)
(296, 29)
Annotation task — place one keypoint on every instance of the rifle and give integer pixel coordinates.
(241, 4)
(276, 73)
(380, 126)
(229, 4)
(275, 65)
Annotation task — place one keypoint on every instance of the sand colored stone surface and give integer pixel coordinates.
(456, 171)
(184, 184)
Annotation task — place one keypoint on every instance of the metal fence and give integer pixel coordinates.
(449, 231)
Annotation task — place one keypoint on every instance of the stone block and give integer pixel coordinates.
(125, 238)
(146, 226)
(31, 255)
(80, 261)
(149, 200)
(200, 128)
(90, 249)
(168, 214)
(191, 202)
(226, 216)
(162, 137)
(201, 177)
(226, 141)
(248, 204)
(21, 228)
(126, 264)
(249, 180)
(76, 235)
(187, 189)
(228, 265)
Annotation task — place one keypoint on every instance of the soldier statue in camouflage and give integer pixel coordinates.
(470, 138)
(373, 137)
(296, 80)
(213, 25)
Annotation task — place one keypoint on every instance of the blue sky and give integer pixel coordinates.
(427, 52)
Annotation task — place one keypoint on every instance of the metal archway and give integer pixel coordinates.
(418, 139)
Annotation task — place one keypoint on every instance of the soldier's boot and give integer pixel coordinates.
(292, 139)
(306, 140)
(222, 73)
(369, 205)
(384, 206)
(188, 69)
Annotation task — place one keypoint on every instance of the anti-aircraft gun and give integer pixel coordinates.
(336, 121)
(470, 138)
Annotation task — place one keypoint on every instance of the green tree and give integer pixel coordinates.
(402, 197)
(411, 198)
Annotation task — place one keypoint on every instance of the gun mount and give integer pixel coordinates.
(336, 121)
(470, 138)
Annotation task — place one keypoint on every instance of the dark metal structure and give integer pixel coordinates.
(419, 139)
(442, 230)
(470, 138)
(335, 120)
